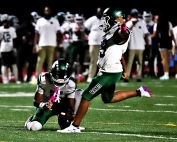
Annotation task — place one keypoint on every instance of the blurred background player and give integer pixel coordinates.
(14, 21)
(56, 94)
(26, 60)
(94, 41)
(35, 16)
(153, 48)
(76, 48)
(8, 51)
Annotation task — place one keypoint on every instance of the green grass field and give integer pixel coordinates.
(136, 119)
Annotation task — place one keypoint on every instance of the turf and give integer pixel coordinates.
(136, 119)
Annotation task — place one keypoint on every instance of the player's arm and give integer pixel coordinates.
(124, 67)
(39, 94)
(37, 99)
(124, 31)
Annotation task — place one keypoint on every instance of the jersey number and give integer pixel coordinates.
(6, 37)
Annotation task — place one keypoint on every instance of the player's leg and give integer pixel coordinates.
(4, 67)
(94, 89)
(109, 94)
(40, 60)
(36, 122)
(49, 56)
(13, 64)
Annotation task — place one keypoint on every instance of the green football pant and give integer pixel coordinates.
(42, 115)
(104, 84)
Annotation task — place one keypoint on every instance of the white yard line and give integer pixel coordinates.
(100, 109)
(132, 135)
(17, 106)
(133, 110)
(18, 94)
(20, 109)
(164, 104)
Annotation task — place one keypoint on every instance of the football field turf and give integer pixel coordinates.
(136, 119)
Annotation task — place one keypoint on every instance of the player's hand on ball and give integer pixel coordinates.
(49, 105)
(124, 75)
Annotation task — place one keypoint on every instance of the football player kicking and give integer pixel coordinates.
(56, 94)
(114, 45)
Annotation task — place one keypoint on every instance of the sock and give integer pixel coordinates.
(166, 74)
(3, 71)
(138, 92)
(15, 72)
(75, 125)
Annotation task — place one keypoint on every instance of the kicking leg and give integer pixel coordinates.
(122, 95)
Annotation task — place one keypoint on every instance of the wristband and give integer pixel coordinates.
(42, 105)
(123, 27)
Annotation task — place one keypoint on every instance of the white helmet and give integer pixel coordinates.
(79, 18)
(4, 17)
(147, 16)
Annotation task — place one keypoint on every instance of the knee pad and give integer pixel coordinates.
(35, 126)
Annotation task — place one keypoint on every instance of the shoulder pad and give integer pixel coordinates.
(73, 79)
(72, 83)
(42, 78)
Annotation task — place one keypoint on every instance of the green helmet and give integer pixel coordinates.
(109, 17)
(59, 72)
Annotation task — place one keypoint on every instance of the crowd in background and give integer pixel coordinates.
(39, 40)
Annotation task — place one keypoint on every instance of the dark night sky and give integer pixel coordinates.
(87, 7)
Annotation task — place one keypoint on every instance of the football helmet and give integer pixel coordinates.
(147, 16)
(61, 17)
(69, 17)
(35, 16)
(79, 19)
(4, 17)
(13, 19)
(109, 18)
(60, 73)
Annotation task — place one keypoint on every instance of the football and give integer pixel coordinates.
(65, 119)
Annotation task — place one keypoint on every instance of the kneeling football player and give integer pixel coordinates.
(56, 94)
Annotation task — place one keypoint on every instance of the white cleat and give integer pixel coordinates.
(164, 77)
(81, 128)
(70, 129)
(145, 92)
(28, 120)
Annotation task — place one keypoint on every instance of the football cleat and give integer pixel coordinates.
(145, 92)
(70, 129)
(28, 120)
(81, 128)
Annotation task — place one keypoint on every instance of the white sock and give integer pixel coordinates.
(15, 72)
(3, 71)
(166, 74)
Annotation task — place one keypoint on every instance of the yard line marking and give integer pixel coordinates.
(19, 94)
(133, 135)
(20, 109)
(164, 104)
(101, 109)
(17, 106)
(133, 110)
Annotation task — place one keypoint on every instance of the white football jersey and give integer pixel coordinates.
(110, 57)
(74, 28)
(6, 37)
(46, 87)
